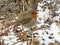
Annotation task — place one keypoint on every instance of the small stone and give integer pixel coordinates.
(53, 44)
(46, 32)
(51, 34)
(43, 43)
(43, 39)
(51, 37)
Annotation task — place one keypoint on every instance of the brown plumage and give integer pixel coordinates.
(28, 18)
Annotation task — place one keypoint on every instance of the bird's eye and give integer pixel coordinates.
(32, 13)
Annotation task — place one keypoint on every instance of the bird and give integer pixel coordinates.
(27, 19)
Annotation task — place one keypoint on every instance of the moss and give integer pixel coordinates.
(58, 32)
(35, 43)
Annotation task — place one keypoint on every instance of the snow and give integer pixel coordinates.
(21, 43)
(53, 27)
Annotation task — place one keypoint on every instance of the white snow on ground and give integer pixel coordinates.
(43, 35)
(10, 39)
(53, 27)
(21, 43)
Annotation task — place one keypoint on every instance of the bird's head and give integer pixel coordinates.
(33, 13)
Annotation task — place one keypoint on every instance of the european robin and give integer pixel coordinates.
(27, 18)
